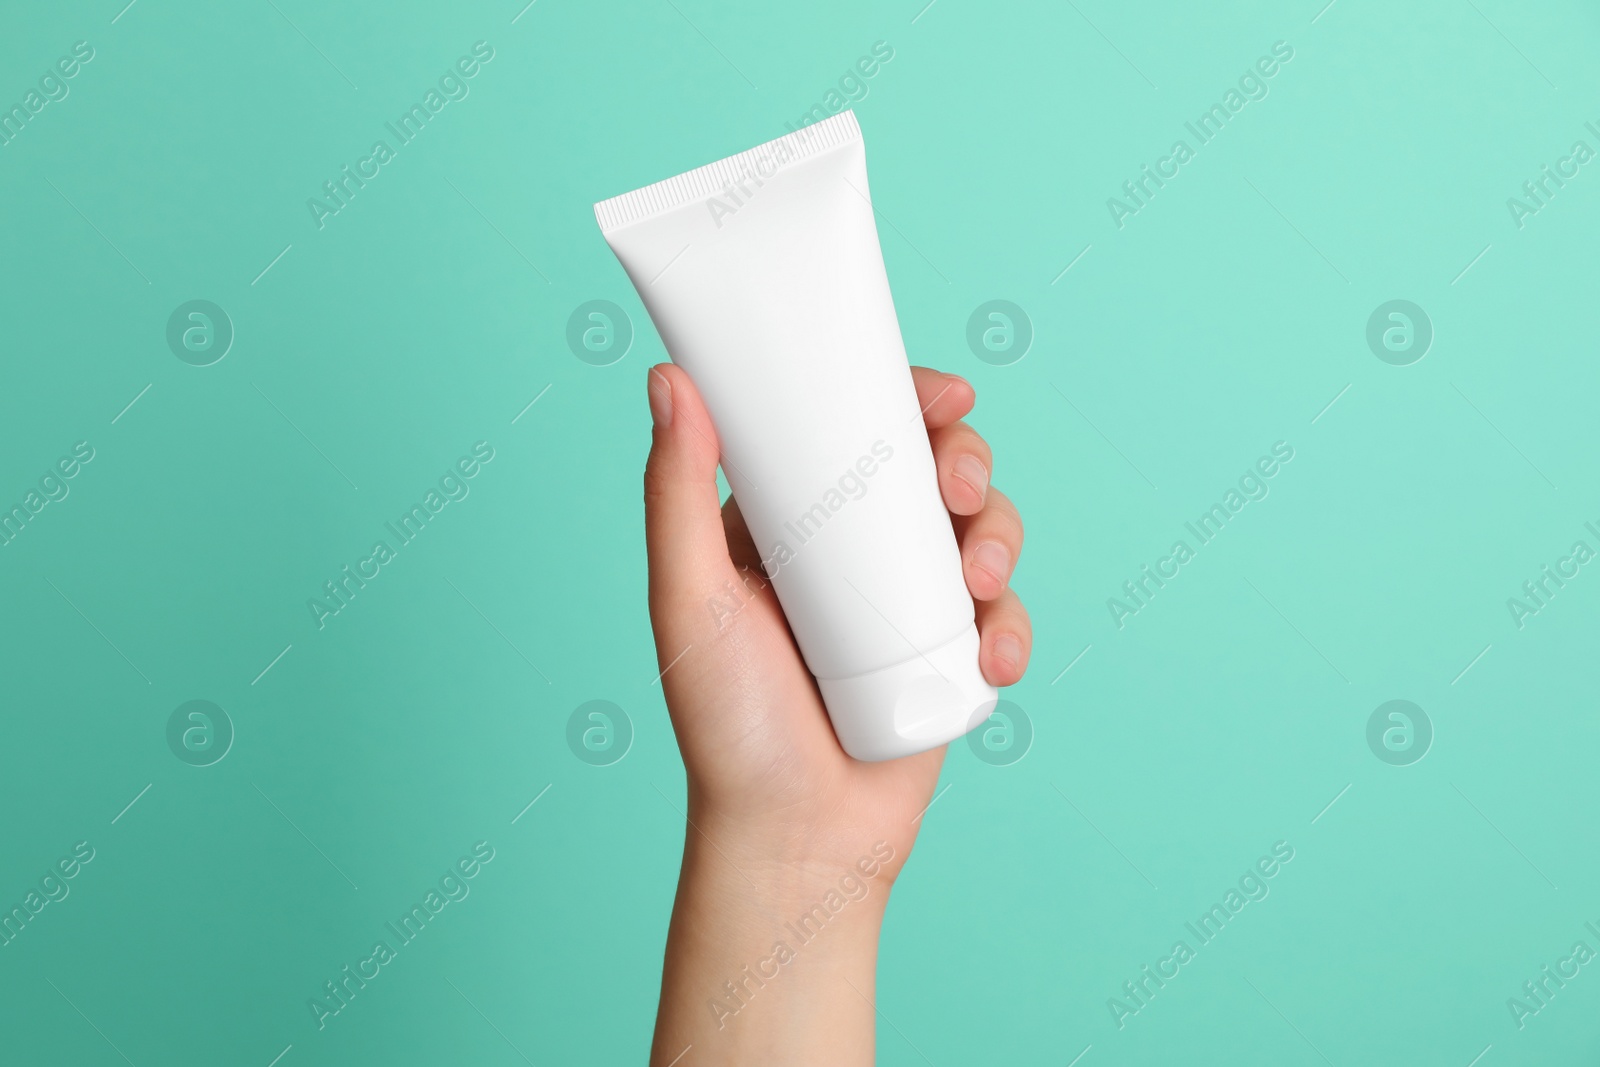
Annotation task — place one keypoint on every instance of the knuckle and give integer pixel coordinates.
(656, 483)
(1004, 521)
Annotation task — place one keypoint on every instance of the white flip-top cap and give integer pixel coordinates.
(921, 703)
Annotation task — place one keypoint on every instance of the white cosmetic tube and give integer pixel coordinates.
(763, 275)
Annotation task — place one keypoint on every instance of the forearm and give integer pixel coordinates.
(770, 957)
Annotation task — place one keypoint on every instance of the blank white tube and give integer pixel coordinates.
(763, 275)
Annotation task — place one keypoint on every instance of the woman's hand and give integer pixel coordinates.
(779, 814)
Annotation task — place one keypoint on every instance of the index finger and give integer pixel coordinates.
(943, 398)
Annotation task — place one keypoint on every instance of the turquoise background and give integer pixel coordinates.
(371, 353)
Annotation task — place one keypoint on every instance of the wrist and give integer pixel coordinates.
(788, 864)
(773, 941)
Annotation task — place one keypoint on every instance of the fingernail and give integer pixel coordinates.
(660, 398)
(1008, 648)
(973, 472)
(991, 558)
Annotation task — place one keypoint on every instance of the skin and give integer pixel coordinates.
(779, 816)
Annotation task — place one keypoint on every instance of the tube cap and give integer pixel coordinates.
(910, 707)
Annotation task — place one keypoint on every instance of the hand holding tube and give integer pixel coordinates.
(779, 814)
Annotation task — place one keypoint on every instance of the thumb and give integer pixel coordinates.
(684, 536)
